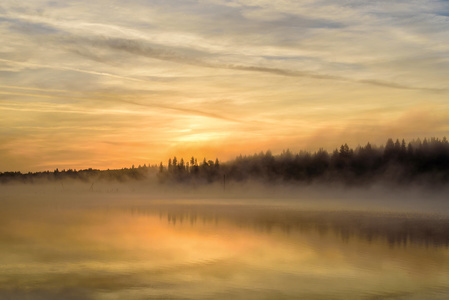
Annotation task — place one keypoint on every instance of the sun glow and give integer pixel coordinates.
(126, 88)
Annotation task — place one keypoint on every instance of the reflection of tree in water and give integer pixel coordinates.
(394, 228)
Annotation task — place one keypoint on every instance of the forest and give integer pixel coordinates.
(396, 162)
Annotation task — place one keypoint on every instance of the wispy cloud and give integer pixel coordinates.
(199, 75)
(136, 47)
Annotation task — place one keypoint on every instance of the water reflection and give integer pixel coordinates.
(193, 251)
(396, 229)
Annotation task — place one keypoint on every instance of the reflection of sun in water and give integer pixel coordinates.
(196, 253)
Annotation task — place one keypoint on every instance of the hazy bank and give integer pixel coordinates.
(380, 197)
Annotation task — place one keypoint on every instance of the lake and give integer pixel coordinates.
(78, 247)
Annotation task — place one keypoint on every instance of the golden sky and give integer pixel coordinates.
(108, 84)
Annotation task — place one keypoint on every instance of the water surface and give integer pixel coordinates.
(186, 249)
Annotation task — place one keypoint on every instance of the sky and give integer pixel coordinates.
(108, 84)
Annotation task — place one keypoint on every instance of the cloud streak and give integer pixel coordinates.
(214, 76)
(184, 111)
(136, 47)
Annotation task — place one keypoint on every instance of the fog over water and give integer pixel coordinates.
(380, 197)
(143, 240)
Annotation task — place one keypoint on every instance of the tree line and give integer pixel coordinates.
(84, 175)
(399, 162)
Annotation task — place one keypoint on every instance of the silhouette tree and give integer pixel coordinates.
(175, 163)
(396, 162)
